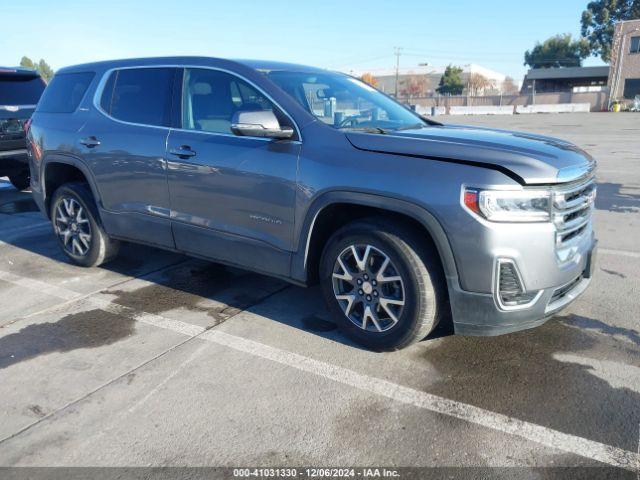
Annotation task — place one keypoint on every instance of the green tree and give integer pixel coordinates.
(599, 19)
(26, 62)
(45, 70)
(557, 51)
(451, 81)
(41, 67)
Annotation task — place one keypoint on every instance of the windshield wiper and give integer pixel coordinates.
(411, 127)
(366, 129)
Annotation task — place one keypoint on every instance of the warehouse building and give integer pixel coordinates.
(566, 79)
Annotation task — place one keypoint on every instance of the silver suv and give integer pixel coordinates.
(310, 175)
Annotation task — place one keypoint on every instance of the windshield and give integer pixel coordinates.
(345, 102)
(20, 89)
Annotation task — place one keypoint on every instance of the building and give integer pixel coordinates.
(422, 81)
(624, 78)
(566, 79)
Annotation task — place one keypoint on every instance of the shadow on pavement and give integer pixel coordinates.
(611, 198)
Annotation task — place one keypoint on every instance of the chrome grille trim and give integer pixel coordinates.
(572, 209)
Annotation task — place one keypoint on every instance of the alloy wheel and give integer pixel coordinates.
(368, 288)
(72, 226)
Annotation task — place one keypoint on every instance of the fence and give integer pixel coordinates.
(597, 100)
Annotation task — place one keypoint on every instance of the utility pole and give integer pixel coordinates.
(397, 52)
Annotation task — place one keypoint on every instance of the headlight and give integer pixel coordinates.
(509, 206)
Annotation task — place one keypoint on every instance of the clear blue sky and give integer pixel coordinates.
(344, 35)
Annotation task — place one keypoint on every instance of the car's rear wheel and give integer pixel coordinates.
(383, 283)
(20, 180)
(78, 228)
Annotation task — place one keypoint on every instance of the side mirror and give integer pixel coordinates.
(260, 123)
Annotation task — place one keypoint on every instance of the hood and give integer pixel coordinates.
(529, 158)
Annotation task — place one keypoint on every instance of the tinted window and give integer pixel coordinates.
(139, 95)
(211, 98)
(635, 44)
(20, 89)
(65, 92)
(631, 87)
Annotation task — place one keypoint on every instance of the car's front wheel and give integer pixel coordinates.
(78, 228)
(383, 283)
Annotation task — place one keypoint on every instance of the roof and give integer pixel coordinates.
(191, 60)
(270, 65)
(18, 71)
(567, 73)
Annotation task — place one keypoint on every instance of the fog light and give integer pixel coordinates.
(510, 291)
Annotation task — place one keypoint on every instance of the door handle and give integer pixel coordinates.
(90, 142)
(183, 152)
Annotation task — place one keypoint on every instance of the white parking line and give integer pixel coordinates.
(68, 296)
(529, 431)
(548, 437)
(624, 253)
(152, 319)
(40, 287)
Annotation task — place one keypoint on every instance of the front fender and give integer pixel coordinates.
(299, 264)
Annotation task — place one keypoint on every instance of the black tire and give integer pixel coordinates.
(415, 261)
(20, 180)
(101, 249)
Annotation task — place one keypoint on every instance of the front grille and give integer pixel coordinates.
(562, 291)
(572, 209)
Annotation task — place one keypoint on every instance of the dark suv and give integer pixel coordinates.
(20, 90)
(309, 175)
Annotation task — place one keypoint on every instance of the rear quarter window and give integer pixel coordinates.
(65, 92)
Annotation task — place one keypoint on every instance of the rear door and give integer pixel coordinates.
(124, 145)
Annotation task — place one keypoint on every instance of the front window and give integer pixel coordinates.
(211, 98)
(635, 45)
(345, 102)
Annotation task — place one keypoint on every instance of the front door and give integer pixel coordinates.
(232, 197)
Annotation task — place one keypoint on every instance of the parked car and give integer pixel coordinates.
(20, 90)
(310, 175)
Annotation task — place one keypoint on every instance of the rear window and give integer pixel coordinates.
(20, 89)
(65, 92)
(139, 95)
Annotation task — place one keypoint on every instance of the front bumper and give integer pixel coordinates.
(479, 313)
(13, 161)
